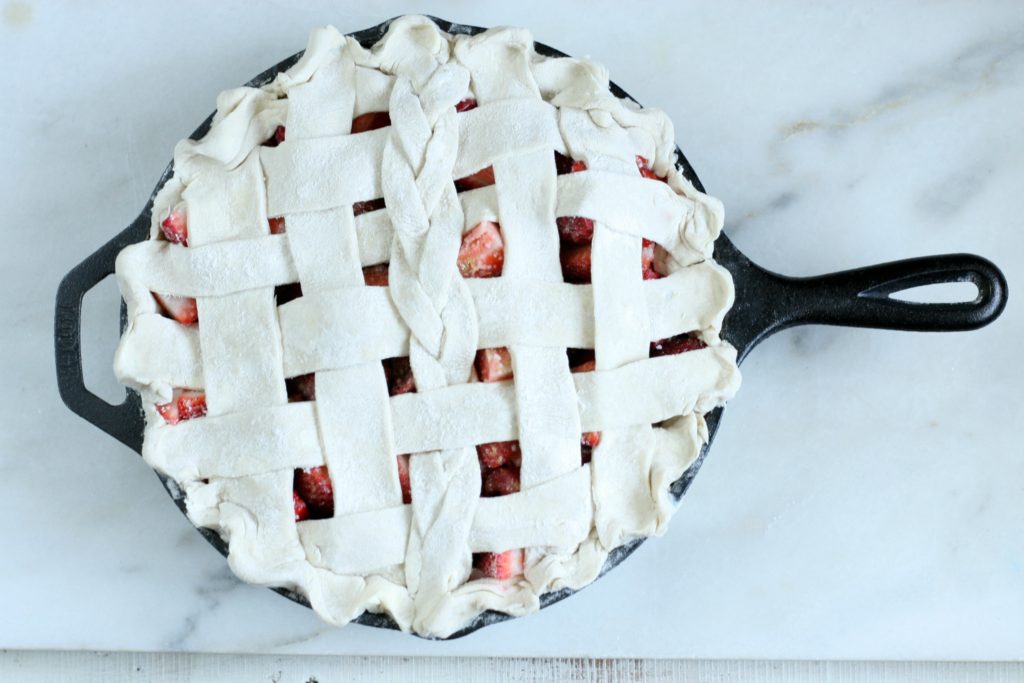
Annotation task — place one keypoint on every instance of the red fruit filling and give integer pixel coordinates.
(277, 226)
(301, 388)
(403, 478)
(481, 178)
(185, 404)
(398, 374)
(465, 105)
(575, 229)
(493, 365)
(501, 566)
(500, 481)
(482, 253)
(175, 227)
(681, 343)
(499, 454)
(645, 169)
(276, 139)
(301, 509)
(575, 263)
(564, 164)
(579, 356)
(313, 484)
(376, 276)
(370, 121)
(360, 208)
(180, 308)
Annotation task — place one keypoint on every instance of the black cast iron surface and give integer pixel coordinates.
(765, 303)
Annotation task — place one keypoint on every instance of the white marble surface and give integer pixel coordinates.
(865, 497)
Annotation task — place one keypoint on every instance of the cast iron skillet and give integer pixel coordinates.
(765, 303)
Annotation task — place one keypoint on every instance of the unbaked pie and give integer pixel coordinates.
(428, 328)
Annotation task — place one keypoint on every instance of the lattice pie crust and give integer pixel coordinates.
(236, 464)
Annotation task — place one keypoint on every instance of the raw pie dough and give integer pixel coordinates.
(236, 464)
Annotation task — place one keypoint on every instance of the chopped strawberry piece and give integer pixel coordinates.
(494, 365)
(370, 121)
(501, 481)
(579, 356)
(575, 229)
(314, 486)
(482, 253)
(590, 439)
(185, 404)
(564, 164)
(481, 178)
(301, 388)
(501, 566)
(465, 105)
(647, 255)
(180, 308)
(680, 343)
(276, 139)
(369, 205)
(647, 261)
(398, 374)
(645, 169)
(403, 478)
(376, 276)
(175, 226)
(286, 293)
(499, 453)
(576, 263)
(301, 509)
(276, 225)
(585, 366)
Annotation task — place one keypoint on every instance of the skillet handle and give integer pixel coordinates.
(123, 421)
(862, 297)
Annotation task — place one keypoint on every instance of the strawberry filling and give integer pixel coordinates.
(301, 388)
(481, 178)
(370, 121)
(301, 509)
(564, 164)
(313, 485)
(360, 208)
(276, 224)
(175, 226)
(180, 308)
(645, 169)
(376, 276)
(185, 404)
(493, 365)
(403, 478)
(482, 253)
(398, 374)
(680, 343)
(502, 566)
(499, 454)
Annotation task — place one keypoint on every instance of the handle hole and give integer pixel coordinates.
(939, 293)
(101, 325)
